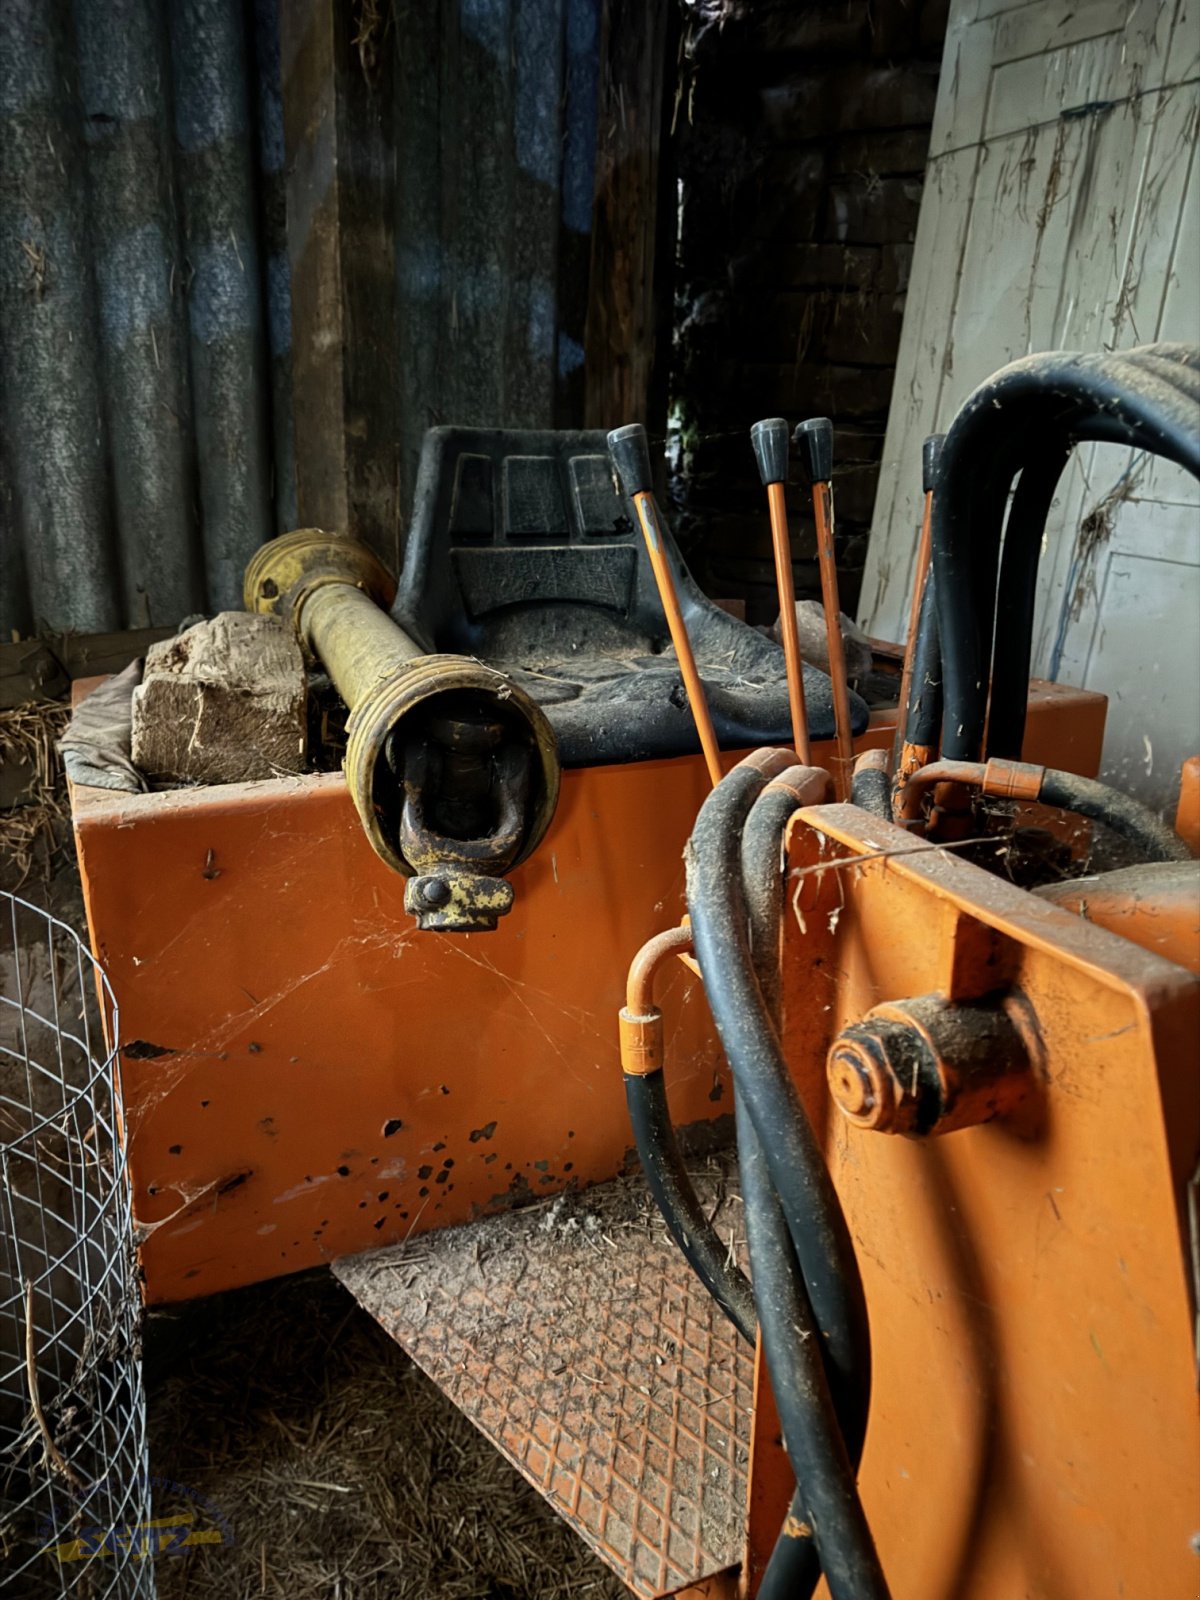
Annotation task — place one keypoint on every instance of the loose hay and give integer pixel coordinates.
(33, 832)
(344, 1473)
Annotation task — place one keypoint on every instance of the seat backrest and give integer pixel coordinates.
(524, 552)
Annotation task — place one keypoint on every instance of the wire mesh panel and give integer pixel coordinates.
(74, 1479)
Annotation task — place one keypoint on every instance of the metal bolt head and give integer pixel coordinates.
(855, 1086)
(872, 1077)
(862, 1086)
(435, 891)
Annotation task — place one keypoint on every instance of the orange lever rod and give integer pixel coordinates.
(815, 439)
(930, 452)
(630, 454)
(770, 441)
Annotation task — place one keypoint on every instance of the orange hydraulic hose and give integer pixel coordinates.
(644, 968)
(908, 799)
(777, 505)
(641, 1022)
(823, 512)
(648, 517)
(1009, 780)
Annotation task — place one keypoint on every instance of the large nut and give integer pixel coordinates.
(928, 1066)
(881, 1077)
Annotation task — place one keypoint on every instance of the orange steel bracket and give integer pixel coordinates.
(1033, 1426)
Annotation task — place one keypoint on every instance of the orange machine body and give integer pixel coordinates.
(1033, 1426)
(307, 1076)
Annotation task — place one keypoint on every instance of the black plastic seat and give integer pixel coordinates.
(524, 553)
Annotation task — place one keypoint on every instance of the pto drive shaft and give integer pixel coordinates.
(452, 767)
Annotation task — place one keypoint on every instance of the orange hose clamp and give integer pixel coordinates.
(1013, 780)
(642, 1051)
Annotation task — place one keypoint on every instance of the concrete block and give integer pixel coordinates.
(223, 702)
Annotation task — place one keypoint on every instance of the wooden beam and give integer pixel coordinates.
(341, 163)
(629, 268)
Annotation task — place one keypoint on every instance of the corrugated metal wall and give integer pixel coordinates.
(144, 309)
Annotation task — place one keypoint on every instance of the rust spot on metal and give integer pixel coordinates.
(143, 1050)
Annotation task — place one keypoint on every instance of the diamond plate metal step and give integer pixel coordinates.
(576, 1338)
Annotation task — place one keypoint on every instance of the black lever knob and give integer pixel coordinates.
(770, 440)
(629, 450)
(814, 441)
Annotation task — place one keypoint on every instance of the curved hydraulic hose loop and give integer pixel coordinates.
(1143, 400)
(1019, 780)
(1016, 595)
(763, 852)
(823, 1447)
(798, 1171)
(642, 1055)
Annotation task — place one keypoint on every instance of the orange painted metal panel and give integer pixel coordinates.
(306, 1075)
(1033, 1427)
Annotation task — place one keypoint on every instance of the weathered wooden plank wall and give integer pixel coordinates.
(443, 165)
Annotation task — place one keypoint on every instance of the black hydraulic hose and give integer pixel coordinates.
(1123, 814)
(871, 789)
(1012, 650)
(1143, 401)
(825, 1477)
(761, 904)
(1016, 596)
(658, 1150)
(923, 715)
(815, 1221)
(795, 1565)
